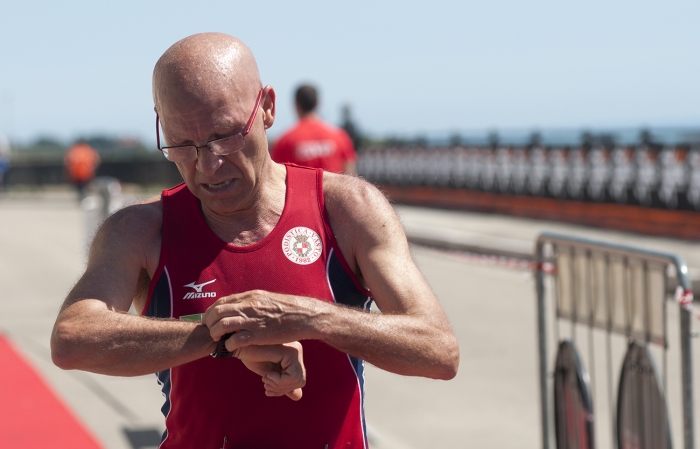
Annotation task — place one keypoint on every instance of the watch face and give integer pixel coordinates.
(573, 408)
(221, 352)
(642, 413)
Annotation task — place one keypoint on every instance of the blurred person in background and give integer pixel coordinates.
(81, 162)
(313, 142)
(5, 152)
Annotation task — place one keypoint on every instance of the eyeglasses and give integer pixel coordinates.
(220, 147)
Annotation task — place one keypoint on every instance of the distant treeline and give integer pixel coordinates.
(46, 149)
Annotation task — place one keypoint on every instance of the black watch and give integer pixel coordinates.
(221, 352)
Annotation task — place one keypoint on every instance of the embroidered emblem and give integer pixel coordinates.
(302, 245)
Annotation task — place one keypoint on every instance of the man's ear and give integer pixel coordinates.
(268, 106)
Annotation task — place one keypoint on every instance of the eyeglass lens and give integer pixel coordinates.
(219, 147)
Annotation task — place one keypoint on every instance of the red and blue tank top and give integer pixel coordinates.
(218, 403)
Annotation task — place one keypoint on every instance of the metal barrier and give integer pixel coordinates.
(617, 290)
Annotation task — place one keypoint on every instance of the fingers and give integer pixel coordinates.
(295, 395)
(262, 353)
(268, 318)
(284, 383)
(292, 361)
(280, 366)
(291, 388)
(291, 378)
(239, 340)
(219, 308)
(234, 313)
(285, 379)
(220, 325)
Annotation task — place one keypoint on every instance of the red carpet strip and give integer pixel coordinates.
(31, 416)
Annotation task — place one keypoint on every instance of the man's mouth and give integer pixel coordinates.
(219, 186)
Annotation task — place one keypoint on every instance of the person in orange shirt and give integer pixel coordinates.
(81, 162)
(314, 143)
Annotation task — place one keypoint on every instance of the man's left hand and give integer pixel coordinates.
(261, 318)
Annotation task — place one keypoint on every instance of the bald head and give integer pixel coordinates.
(202, 66)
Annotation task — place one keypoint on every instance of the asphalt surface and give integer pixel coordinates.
(493, 401)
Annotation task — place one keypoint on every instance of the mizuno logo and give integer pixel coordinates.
(198, 287)
(197, 293)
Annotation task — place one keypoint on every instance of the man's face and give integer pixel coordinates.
(223, 184)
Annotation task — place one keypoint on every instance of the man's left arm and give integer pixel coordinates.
(411, 336)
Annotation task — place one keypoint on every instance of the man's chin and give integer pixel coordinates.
(221, 199)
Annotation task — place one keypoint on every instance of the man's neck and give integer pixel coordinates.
(253, 222)
(308, 116)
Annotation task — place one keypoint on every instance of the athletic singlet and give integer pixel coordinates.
(209, 400)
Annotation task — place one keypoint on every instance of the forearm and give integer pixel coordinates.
(413, 341)
(412, 345)
(90, 337)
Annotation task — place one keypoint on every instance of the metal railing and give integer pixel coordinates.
(619, 290)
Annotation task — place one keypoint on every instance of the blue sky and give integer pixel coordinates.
(80, 68)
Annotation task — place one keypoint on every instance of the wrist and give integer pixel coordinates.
(319, 323)
(203, 340)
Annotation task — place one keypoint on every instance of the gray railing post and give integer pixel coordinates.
(542, 344)
(687, 361)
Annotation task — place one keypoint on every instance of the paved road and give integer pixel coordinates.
(491, 403)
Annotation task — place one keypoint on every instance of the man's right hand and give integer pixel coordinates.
(280, 366)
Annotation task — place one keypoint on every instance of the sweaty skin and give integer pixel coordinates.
(204, 88)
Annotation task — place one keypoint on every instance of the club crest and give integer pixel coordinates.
(302, 245)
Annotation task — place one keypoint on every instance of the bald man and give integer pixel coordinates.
(248, 257)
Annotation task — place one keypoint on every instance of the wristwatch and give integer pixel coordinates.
(221, 352)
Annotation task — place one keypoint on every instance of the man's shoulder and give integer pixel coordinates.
(353, 198)
(141, 220)
(131, 235)
(361, 217)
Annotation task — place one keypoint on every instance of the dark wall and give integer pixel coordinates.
(142, 172)
(145, 172)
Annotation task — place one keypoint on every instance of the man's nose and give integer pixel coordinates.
(208, 162)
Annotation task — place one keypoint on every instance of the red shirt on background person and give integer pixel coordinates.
(313, 142)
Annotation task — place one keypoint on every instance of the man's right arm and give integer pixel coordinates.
(94, 332)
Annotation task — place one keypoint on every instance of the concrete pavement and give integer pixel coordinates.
(518, 235)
